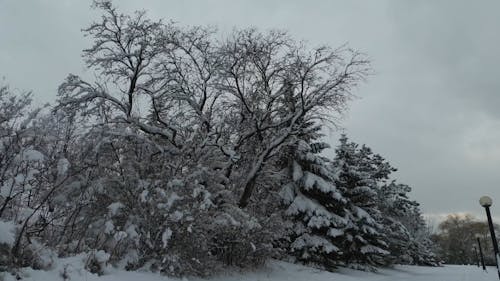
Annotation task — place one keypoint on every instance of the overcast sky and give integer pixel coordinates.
(432, 108)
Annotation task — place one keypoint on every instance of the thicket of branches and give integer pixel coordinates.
(190, 153)
(456, 240)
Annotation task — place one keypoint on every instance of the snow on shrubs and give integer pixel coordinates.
(190, 154)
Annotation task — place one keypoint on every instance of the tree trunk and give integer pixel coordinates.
(247, 192)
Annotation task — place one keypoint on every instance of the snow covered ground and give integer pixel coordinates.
(275, 271)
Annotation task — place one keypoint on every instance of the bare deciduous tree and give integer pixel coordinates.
(249, 92)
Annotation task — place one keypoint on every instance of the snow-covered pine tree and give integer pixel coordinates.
(315, 204)
(395, 206)
(420, 244)
(358, 174)
(408, 240)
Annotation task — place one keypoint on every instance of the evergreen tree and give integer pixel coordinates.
(316, 205)
(420, 244)
(395, 207)
(406, 230)
(359, 173)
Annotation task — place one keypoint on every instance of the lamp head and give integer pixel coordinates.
(485, 201)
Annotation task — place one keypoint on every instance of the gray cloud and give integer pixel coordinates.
(438, 119)
(431, 109)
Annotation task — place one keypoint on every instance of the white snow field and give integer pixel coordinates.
(275, 271)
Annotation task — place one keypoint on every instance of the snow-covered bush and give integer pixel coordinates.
(97, 261)
(36, 256)
(239, 239)
(223, 239)
(25, 185)
(7, 239)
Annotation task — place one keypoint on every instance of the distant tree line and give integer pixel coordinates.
(190, 153)
(456, 240)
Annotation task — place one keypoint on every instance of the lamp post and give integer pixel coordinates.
(486, 202)
(480, 251)
(476, 255)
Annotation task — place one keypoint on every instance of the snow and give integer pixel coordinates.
(120, 235)
(109, 227)
(297, 171)
(32, 155)
(287, 193)
(176, 216)
(362, 214)
(206, 202)
(114, 207)
(311, 181)
(373, 249)
(144, 195)
(62, 166)
(225, 219)
(101, 256)
(334, 232)
(131, 232)
(274, 271)
(314, 242)
(170, 201)
(7, 233)
(165, 237)
(6, 188)
(322, 216)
